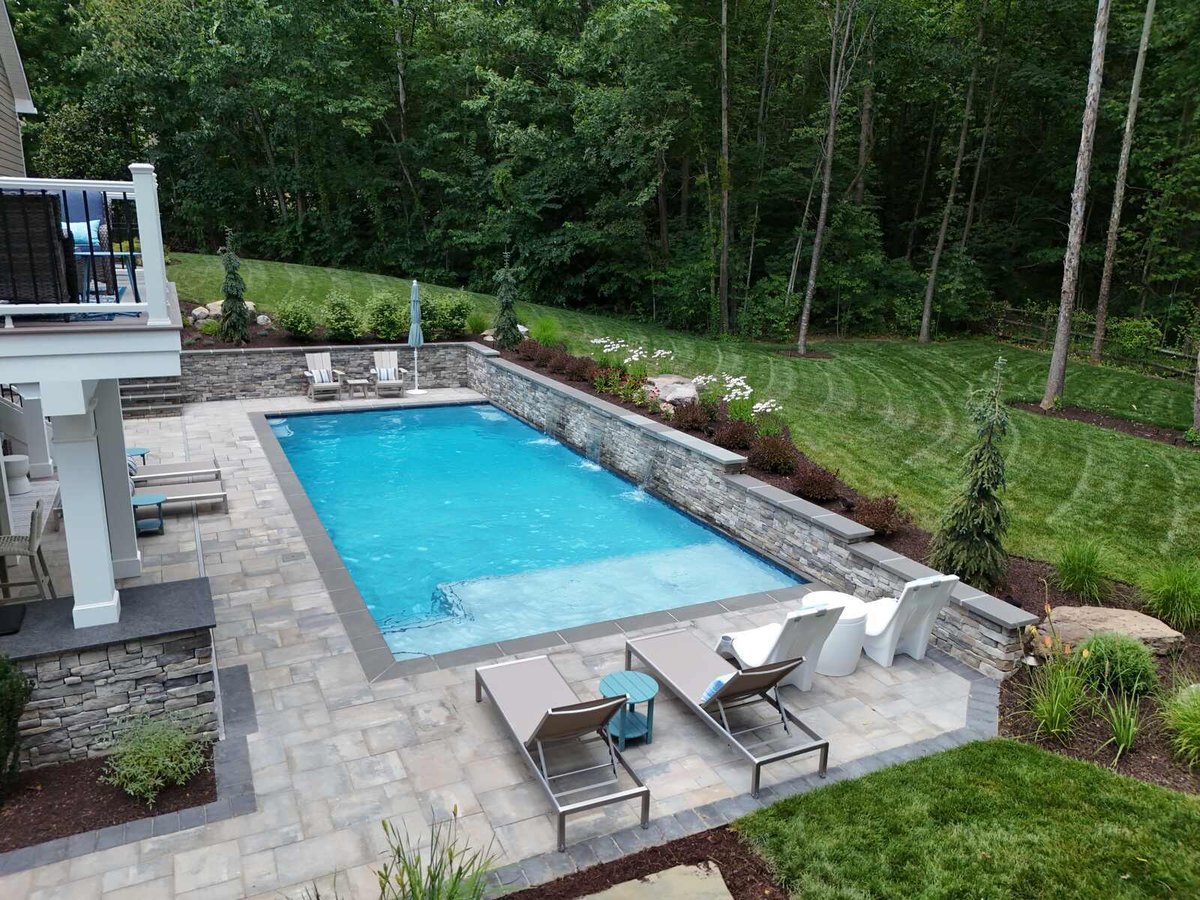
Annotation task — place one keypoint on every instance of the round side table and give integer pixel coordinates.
(843, 647)
(155, 524)
(639, 688)
(137, 451)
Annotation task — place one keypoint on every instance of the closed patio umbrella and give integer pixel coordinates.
(415, 338)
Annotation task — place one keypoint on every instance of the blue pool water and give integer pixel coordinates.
(461, 525)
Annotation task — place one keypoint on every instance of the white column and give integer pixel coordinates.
(154, 263)
(85, 520)
(37, 441)
(114, 471)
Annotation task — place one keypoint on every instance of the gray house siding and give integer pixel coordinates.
(12, 156)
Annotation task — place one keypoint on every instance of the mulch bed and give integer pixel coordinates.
(744, 871)
(59, 801)
(1172, 436)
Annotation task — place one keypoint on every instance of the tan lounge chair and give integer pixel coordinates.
(686, 665)
(180, 471)
(541, 711)
(386, 374)
(323, 379)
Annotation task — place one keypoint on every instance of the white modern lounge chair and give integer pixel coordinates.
(387, 374)
(323, 379)
(903, 625)
(800, 636)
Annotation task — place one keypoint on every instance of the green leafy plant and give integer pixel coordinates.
(773, 453)
(882, 515)
(740, 409)
(235, 315)
(210, 327)
(1056, 697)
(1192, 436)
(477, 322)
(506, 335)
(297, 319)
(1173, 594)
(15, 691)
(1180, 713)
(1080, 569)
(546, 330)
(1117, 663)
(1123, 717)
(388, 317)
(150, 755)
(342, 321)
(444, 318)
(448, 869)
(815, 483)
(970, 540)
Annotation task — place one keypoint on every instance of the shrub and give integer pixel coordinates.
(559, 360)
(1122, 715)
(770, 423)
(609, 379)
(211, 327)
(582, 368)
(477, 322)
(773, 453)
(1056, 697)
(692, 416)
(1080, 569)
(388, 317)
(15, 691)
(1173, 594)
(1192, 436)
(546, 330)
(1134, 339)
(1117, 663)
(235, 315)
(813, 482)
(544, 354)
(735, 435)
(342, 321)
(152, 754)
(447, 869)
(881, 514)
(741, 409)
(507, 335)
(528, 349)
(445, 317)
(1181, 715)
(297, 320)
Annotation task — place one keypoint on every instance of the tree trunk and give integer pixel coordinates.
(1057, 376)
(866, 132)
(812, 186)
(685, 183)
(931, 285)
(663, 242)
(760, 139)
(1196, 393)
(401, 93)
(912, 228)
(987, 130)
(1114, 221)
(723, 174)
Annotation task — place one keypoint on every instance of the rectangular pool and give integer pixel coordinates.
(462, 525)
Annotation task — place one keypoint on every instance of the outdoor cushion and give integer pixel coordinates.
(83, 233)
(322, 376)
(387, 375)
(714, 687)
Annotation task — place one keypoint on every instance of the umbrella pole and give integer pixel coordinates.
(416, 376)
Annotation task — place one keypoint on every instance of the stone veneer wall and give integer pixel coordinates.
(79, 697)
(278, 371)
(708, 482)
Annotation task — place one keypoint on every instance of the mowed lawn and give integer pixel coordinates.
(992, 819)
(889, 415)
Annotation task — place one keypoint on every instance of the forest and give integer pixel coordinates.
(673, 160)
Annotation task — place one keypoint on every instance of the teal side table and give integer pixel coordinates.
(137, 451)
(150, 524)
(630, 724)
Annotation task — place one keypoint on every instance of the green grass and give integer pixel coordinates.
(991, 819)
(889, 416)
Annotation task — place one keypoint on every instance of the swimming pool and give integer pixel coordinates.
(462, 525)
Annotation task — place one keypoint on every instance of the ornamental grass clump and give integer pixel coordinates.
(151, 755)
(1056, 697)
(1173, 594)
(546, 330)
(445, 869)
(1117, 663)
(969, 542)
(1080, 570)
(15, 691)
(1123, 717)
(1181, 715)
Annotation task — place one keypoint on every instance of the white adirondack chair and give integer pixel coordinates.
(323, 379)
(387, 374)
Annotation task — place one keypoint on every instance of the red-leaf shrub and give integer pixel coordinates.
(544, 355)
(735, 435)
(692, 416)
(528, 349)
(773, 453)
(559, 360)
(881, 514)
(815, 483)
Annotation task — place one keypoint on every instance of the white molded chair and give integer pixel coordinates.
(904, 624)
(323, 379)
(387, 374)
(802, 634)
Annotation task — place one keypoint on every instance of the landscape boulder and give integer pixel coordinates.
(674, 389)
(263, 320)
(490, 334)
(214, 308)
(1075, 624)
(199, 314)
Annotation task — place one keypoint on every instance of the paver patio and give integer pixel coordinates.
(334, 754)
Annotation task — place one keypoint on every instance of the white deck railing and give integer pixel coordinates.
(147, 282)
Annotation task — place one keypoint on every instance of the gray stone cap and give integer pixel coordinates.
(329, 348)
(727, 460)
(982, 604)
(840, 526)
(147, 611)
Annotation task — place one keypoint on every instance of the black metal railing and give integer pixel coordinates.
(8, 393)
(68, 246)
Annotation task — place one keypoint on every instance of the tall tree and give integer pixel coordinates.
(1057, 376)
(235, 315)
(844, 48)
(1114, 219)
(724, 174)
(969, 216)
(948, 209)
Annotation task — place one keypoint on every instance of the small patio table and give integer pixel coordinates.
(137, 451)
(640, 688)
(363, 384)
(155, 524)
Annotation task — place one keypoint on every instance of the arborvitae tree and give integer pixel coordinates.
(970, 540)
(235, 316)
(507, 335)
(15, 691)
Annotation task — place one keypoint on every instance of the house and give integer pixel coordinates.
(14, 99)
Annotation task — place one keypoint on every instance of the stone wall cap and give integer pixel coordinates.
(148, 610)
(993, 609)
(328, 348)
(847, 529)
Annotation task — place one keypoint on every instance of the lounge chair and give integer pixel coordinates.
(323, 379)
(192, 492)
(38, 267)
(800, 636)
(28, 546)
(712, 688)
(180, 471)
(903, 625)
(387, 375)
(541, 710)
